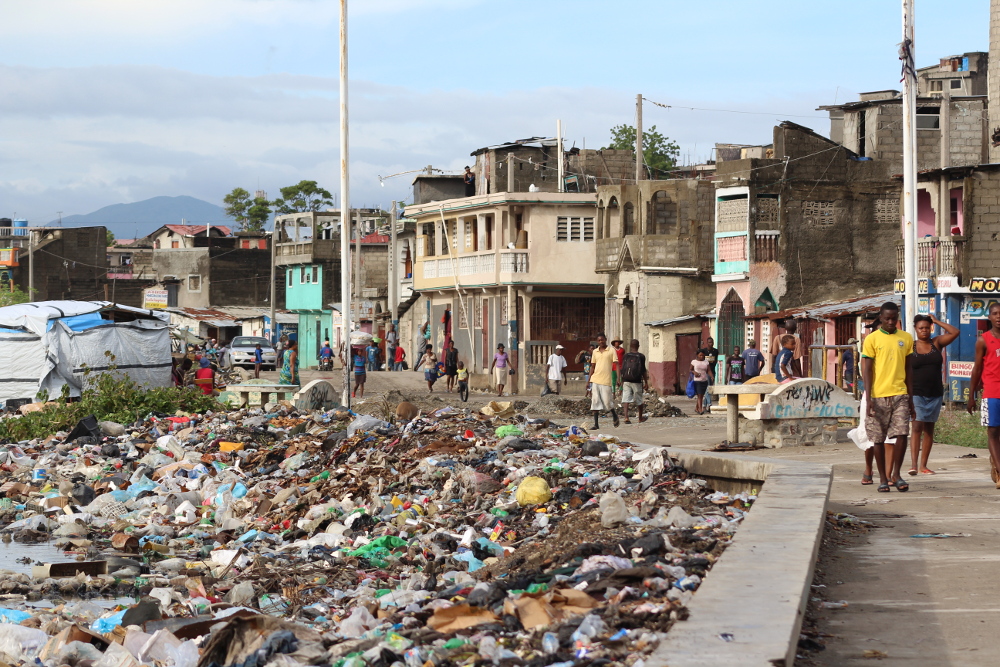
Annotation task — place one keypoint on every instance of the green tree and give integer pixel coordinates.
(306, 196)
(658, 152)
(111, 238)
(11, 294)
(250, 213)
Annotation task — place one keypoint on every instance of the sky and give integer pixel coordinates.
(114, 101)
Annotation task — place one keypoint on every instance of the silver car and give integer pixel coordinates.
(241, 352)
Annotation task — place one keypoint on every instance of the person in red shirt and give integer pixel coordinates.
(987, 369)
(400, 357)
(204, 377)
(616, 380)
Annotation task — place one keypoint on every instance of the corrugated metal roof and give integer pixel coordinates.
(675, 320)
(831, 309)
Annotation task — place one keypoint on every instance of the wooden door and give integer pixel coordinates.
(687, 350)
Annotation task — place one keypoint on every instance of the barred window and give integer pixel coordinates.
(574, 229)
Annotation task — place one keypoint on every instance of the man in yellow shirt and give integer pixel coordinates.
(602, 360)
(886, 360)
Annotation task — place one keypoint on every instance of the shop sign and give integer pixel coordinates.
(976, 308)
(899, 286)
(960, 369)
(154, 298)
(979, 285)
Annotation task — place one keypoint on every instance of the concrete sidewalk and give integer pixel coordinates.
(920, 601)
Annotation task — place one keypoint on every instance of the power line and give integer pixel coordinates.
(756, 113)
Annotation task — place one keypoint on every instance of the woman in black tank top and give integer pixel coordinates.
(927, 386)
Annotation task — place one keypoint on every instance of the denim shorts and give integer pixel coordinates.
(928, 408)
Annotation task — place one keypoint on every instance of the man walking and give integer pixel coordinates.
(602, 360)
(391, 341)
(554, 367)
(987, 369)
(635, 380)
(753, 360)
(886, 361)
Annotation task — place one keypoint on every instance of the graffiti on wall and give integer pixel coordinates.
(808, 398)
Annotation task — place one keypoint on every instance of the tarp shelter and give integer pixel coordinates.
(47, 344)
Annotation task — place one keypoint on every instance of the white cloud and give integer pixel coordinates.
(76, 139)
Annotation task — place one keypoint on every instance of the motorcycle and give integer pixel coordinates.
(326, 363)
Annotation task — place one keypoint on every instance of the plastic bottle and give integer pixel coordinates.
(550, 642)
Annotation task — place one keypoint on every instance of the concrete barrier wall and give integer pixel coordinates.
(758, 590)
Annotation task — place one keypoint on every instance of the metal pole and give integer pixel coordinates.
(944, 196)
(345, 210)
(31, 265)
(559, 155)
(274, 289)
(909, 167)
(638, 138)
(393, 268)
(358, 288)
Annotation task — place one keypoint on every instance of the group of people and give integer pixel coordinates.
(608, 368)
(450, 367)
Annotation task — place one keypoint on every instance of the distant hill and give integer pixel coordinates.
(142, 217)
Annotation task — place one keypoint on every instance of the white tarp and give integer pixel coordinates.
(40, 357)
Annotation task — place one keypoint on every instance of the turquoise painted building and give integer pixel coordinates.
(304, 296)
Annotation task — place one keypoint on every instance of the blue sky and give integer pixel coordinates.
(110, 101)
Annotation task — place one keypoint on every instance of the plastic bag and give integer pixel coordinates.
(690, 391)
(533, 491)
(19, 643)
(613, 510)
(358, 623)
(365, 423)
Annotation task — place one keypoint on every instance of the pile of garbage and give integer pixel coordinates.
(580, 407)
(272, 537)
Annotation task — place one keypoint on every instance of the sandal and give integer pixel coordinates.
(866, 480)
(927, 471)
(901, 486)
(628, 421)
(883, 487)
(911, 471)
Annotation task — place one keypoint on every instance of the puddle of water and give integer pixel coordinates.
(43, 552)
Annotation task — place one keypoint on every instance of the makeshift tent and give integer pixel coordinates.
(48, 344)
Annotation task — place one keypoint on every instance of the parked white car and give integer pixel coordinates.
(240, 352)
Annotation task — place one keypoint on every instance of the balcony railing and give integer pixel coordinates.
(766, 246)
(514, 262)
(936, 256)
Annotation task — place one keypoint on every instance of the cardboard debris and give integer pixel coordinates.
(459, 617)
(542, 609)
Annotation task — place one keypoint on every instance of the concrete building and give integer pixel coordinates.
(654, 253)
(513, 267)
(957, 76)
(309, 259)
(811, 224)
(179, 237)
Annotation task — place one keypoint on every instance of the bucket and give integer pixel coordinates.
(39, 475)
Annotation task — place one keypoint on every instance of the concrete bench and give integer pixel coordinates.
(281, 391)
(801, 412)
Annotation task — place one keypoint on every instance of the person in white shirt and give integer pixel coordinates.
(554, 367)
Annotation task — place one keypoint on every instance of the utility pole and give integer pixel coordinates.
(345, 210)
(274, 290)
(559, 155)
(638, 138)
(909, 166)
(944, 196)
(31, 264)
(393, 270)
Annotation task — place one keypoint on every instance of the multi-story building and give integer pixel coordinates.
(513, 268)
(814, 222)
(654, 253)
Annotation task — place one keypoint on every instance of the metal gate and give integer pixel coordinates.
(731, 325)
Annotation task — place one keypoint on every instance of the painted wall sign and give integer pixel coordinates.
(807, 398)
(154, 298)
(975, 308)
(980, 285)
(899, 286)
(960, 369)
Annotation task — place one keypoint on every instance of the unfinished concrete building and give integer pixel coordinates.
(814, 223)
(654, 252)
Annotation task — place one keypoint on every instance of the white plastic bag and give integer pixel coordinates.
(613, 509)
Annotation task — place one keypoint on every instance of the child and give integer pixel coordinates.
(783, 362)
(258, 359)
(359, 373)
(463, 380)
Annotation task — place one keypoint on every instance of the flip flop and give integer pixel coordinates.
(628, 421)
(927, 471)
(866, 480)
(911, 471)
(901, 486)
(883, 488)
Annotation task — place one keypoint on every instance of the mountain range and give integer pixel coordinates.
(142, 217)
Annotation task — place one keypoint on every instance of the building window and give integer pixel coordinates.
(887, 210)
(767, 210)
(732, 248)
(956, 84)
(315, 274)
(733, 214)
(504, 318)
(819, 212)
(175, 244)
(463, 315)
(194, 283)
(936, 85)
(477, 316)
(928, 118)
(574, 229)
(303, 275)
(289, 272)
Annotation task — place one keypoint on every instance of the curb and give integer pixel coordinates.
(757, 592)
